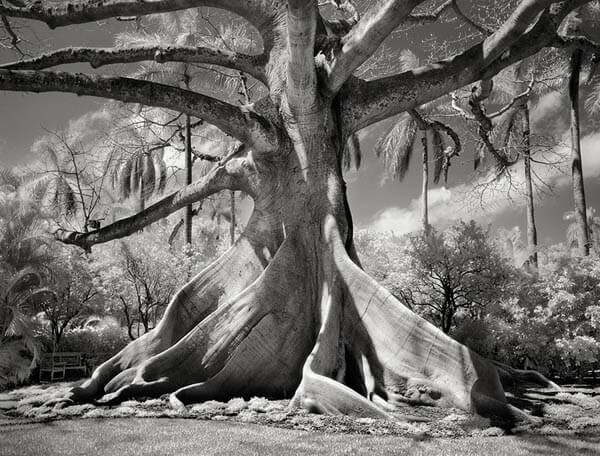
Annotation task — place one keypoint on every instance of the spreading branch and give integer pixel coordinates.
(259, 13)
(484, 121)
(97, 57)
(248, 127)
(369, 102)
(366, 36)
(425, 124)
(218, 179)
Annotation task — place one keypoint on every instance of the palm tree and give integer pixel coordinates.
(576, 165)
(593, 226)
(514, 134)
(23, 266)
(583, 22)
(396, 146)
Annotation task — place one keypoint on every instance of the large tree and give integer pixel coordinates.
(287, 311)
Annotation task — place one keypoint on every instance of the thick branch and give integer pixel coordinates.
(513, 29)
(365, 37)
(98, 57)
(369, 102)
(577, 42)
(58, 14)
(218, 179)
(427, 18)
(248, 127)
(301, 71)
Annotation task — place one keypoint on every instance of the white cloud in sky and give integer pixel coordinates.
(464, 202)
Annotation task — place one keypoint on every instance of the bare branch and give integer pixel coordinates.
(517, 99)
(427, 18)
(485, 125)
(218, 179)
(97, 57)
(248, 127)
(14, 39)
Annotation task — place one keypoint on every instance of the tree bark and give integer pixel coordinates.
(188, 178)
(583, 241)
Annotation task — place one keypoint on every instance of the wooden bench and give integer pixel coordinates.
(59, 363)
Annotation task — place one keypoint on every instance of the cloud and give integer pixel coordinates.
(486, 198)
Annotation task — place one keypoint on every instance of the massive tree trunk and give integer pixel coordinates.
(583, 237)
(287, 311)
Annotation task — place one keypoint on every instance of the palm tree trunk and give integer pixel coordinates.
(188, 176)
(232, 224)
(576, 166)
(531, 228)
(141, 203)
(425, 186)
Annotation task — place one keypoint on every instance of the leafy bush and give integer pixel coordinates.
(107, 340)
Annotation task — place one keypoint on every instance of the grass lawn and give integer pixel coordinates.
(156, 436)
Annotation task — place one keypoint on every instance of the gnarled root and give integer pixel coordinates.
(253, 343)
(512, 378)
(209, 289)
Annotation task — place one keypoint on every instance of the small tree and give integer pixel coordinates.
(456, 273)
(75, 295)
(140, 276)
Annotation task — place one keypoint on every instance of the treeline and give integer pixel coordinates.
(481, 288)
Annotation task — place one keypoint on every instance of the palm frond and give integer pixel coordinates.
(395, 148)
(16, 362)
(439, 157)
(408, 60)
(9, 179)
(148, 177)
(352, 154)
(592, 101)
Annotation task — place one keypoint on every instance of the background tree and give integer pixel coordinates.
(593, 225)
(396, 146)
(23, 260)
(74, 298)
(139, 276)
(456, 273)
(289, 292)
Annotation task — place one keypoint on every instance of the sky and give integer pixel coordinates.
(377, 203)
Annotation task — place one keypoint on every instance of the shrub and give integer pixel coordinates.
(95, 341)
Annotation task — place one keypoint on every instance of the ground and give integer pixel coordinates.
(570, 424)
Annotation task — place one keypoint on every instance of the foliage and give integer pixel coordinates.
(456, 274)
(383, 257)
(23, 257)
(139, 275)
(593, 226)
(552, 318)
(75, 294)
(103, 341)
